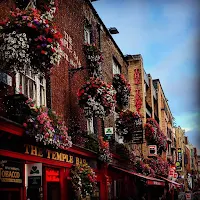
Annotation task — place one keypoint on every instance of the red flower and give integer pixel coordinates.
(43, 52)
(49, 40)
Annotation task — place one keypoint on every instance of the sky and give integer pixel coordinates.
(167, 35)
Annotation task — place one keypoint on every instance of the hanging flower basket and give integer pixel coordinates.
(104, 151)
(154, 135)
(123, 89)
(94, 59)
(160, 166)
(97, 98)
(47, 7)
(28, 39)
(126, 124)
(48, 128)
(144, 168)
(83, 180)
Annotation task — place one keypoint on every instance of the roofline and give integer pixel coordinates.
(108, 33)
(158, 80)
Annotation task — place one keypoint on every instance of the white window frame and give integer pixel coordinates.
(20, 77)
(90, 125)
(87, 35)
(116, 68)
(118, 138)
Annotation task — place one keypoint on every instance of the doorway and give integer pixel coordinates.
(53, 190)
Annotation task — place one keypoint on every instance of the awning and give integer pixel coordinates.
(170, 181)
(149, 180)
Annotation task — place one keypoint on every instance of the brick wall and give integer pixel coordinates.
(69, 20)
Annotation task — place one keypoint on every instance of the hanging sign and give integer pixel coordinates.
(179, 160)
(108, 132)
(10, 172)
(137, 134)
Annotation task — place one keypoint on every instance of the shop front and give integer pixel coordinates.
(127, 184)
(32, 171)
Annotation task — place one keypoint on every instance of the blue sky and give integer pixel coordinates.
(166, 34)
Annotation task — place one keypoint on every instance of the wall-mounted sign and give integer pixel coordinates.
(10, 172)
(34, 169)
(34, 173)
(137, 136)
(108, 132)
(52, 175)
(54, 155)
(179, 160)
(188, 196)
(152, 150)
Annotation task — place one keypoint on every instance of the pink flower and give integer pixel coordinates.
(25, 125)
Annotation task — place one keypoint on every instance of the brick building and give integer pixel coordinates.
(79, 24)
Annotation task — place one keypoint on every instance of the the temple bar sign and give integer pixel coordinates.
(54, 155)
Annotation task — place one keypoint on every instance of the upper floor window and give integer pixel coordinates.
(87, 33)
(90, 125)
(118, 138)
(116, 68)
(31, 85)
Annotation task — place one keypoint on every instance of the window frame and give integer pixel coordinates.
(116, 68)
(36, 78)
(90, 125)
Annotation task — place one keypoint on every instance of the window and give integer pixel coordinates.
(31, 85)
(116, 68)
(118, 138)
(87, 34)
(90, 125)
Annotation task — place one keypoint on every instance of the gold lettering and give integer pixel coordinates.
(71, 159)
(26, 146)
(33, 150)
(53, 155)
(84, 161)
(65, 157)
(40, 153)
(48, 154)
(57, 156)
(77, 160)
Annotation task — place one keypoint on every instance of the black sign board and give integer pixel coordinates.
(34, 181)
(10, 172)
(137, 137)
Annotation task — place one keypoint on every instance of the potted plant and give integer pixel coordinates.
(154, 135)
(123, 89)
(27, 38)
(46, 127)
(97, 98)
(127, 123)
(94, 59)
(83, 180)
(104, 151)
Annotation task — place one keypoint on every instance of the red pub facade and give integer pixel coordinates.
(23, 161)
